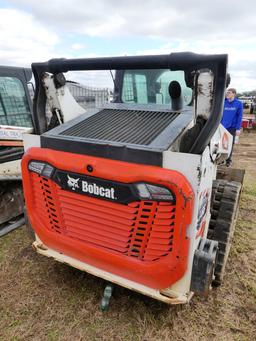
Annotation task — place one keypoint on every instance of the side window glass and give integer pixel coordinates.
(135, 88)
(128, 94)
(141, 88)
(14, 106)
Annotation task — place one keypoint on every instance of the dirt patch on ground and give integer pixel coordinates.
(41, 299)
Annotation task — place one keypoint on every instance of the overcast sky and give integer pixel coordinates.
(32, 31)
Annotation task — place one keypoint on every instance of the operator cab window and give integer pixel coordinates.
(151, 86)
(14, 106)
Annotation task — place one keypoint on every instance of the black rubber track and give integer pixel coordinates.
(11, 200)
(224, 209)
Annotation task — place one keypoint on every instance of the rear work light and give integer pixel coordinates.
(153, 192)
(41, 168)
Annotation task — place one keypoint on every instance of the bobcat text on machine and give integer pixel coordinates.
(128, 192)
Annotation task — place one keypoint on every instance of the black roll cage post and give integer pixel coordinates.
(186, 61)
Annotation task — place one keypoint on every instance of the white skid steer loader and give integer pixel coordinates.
(130, 191)
(15, 120)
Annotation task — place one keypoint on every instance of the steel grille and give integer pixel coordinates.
(143, 230)
(127, 126)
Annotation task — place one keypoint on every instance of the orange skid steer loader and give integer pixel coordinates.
(129, 191)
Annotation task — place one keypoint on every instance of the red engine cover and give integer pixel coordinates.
(143, 241)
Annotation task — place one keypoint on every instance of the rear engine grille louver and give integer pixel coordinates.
(143, 230)
(44, 202)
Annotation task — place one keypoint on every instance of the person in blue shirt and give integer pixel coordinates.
(232, 117)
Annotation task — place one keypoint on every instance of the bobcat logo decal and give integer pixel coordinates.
(79, 185)
(72, 183)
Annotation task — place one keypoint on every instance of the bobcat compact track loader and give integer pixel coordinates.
(128, 192)
(15, 119)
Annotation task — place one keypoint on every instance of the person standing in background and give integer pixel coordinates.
(232, 117)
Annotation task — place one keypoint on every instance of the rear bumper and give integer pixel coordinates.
(169, 296)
